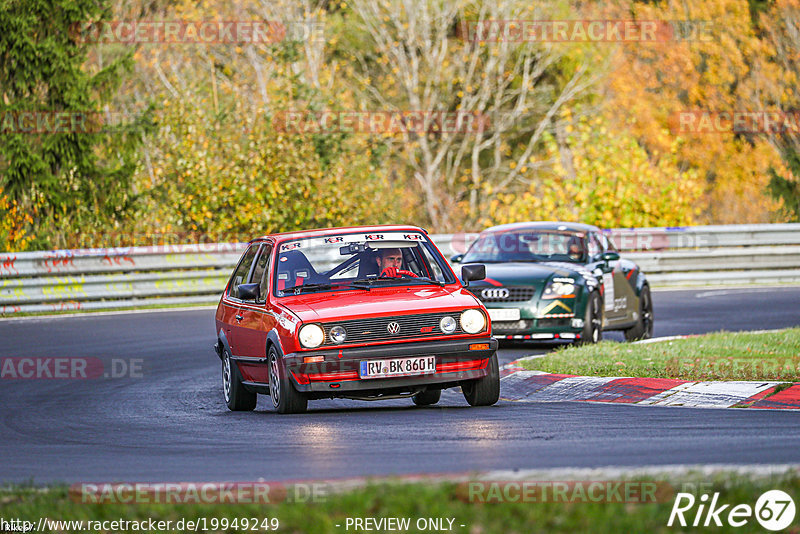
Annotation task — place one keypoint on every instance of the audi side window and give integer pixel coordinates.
(241, 272)
(260, 270)
(607, 244)
(595, 247)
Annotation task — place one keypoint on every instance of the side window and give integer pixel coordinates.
(437, 273)
(259, 272)
(594, 246)
(241, 272)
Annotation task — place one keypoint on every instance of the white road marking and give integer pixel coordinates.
(708, 394)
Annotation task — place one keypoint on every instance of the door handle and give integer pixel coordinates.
(239, 318)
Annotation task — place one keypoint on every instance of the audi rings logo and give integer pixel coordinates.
(393, 327)
(495, 293)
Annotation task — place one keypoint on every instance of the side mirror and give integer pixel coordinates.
(248, 291)
(457, 258)
(610, 256)
(473, 272)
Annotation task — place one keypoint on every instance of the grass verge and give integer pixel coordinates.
(717, 356)
(423, 500)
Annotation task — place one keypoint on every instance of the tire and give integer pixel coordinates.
(428, 397)
(236, 396)
(644, 325)
(484, 391)
(593, 320)
(285, 399)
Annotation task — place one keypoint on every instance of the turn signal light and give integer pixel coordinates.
(314, 359)
(479, 346)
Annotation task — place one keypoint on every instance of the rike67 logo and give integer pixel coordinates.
(774, 510)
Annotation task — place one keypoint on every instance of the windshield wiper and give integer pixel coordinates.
(299, 289)
(321, 287)
(431, 280)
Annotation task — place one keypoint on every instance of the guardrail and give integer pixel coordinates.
(188, 274)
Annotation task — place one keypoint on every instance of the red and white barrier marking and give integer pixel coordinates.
(536, 386)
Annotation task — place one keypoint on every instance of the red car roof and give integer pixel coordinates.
(283, 236)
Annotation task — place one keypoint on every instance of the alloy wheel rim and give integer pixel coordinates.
(647, 316)
(595, 319)
(226, 377)
(274, 383)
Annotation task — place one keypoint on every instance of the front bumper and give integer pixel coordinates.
(339, 373)
(559, 321)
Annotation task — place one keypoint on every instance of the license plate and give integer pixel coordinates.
(424, 365)
(503, 314)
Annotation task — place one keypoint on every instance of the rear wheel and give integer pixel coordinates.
(484, 391)
(426, 398)
(285, 399)
(593, 320)
(644, 324)
(236, 396)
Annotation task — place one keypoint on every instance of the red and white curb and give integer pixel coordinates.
(521, 385)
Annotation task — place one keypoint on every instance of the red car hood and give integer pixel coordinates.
(378, 302)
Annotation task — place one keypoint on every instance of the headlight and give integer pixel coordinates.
(447, 324)
(338, 334)
(311, 336)
(556, 289)
(473, 321)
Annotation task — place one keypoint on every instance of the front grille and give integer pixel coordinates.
(515, 294)
(375, 329)
(523, 326)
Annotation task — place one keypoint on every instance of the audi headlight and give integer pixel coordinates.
(447, 324)
(311, 336)
(473, 321)
(559, 289)
(338, 334)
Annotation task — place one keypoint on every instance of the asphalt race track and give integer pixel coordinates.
(171, 424)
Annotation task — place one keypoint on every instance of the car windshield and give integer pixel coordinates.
(358, 261)
(527, 246)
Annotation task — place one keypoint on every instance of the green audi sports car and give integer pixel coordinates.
(558, 281)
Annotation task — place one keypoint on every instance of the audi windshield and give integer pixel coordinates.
(527, 246)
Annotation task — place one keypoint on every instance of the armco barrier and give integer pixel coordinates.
(185, 274)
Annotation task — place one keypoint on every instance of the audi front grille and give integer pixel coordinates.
(504, 294)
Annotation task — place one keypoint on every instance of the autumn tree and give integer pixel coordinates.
(72, 177)
(780, 25)
(422, 55)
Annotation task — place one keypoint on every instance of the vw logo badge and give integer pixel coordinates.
(495, 293)
(393, 327)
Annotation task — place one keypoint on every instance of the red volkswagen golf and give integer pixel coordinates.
(365, 313)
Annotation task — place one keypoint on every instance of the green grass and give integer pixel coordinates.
(421, 500)
(718, 356)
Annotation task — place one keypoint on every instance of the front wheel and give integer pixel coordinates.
(484, 391)
(285, 399)
(593, 320)
(236, 396)
(644, 324)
